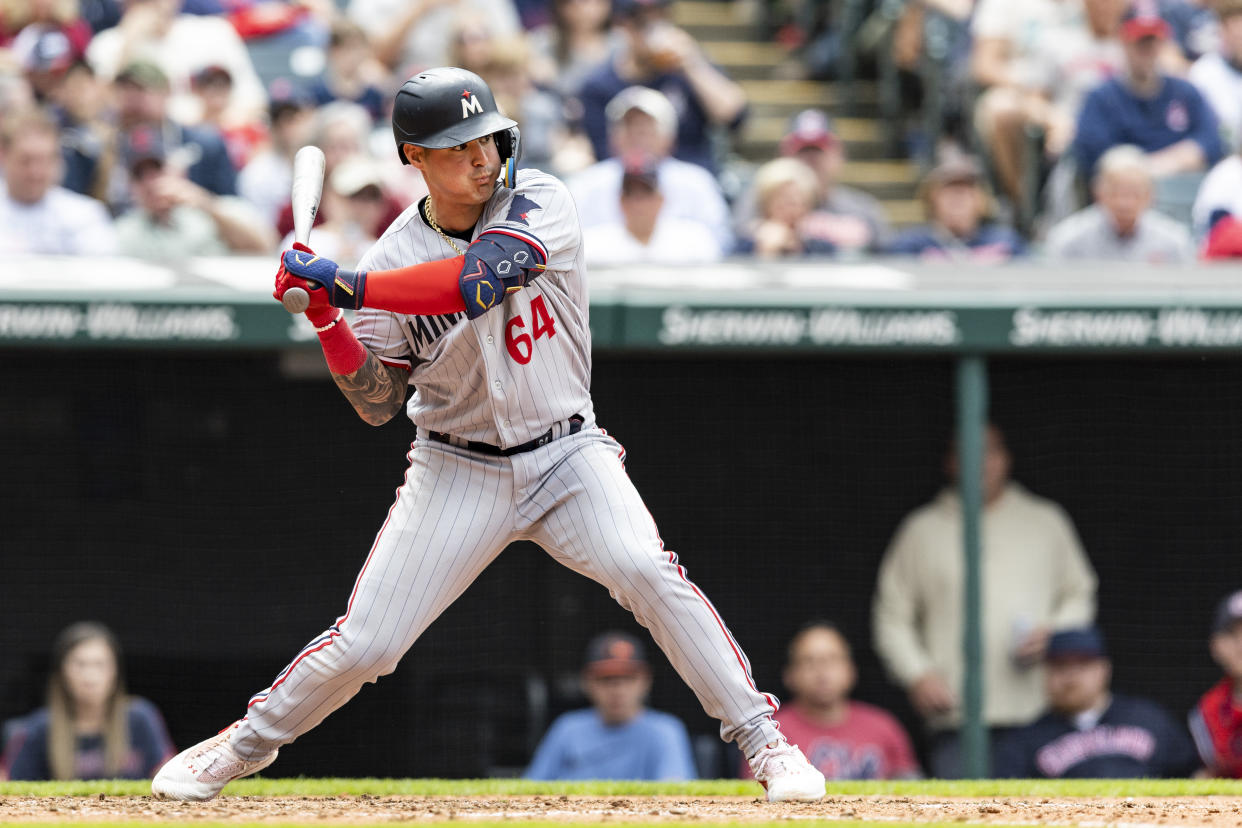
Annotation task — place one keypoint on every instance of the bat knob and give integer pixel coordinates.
(295, 300)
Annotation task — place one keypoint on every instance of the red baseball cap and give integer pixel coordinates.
(1142, 19)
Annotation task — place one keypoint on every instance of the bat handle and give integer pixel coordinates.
(295, 300)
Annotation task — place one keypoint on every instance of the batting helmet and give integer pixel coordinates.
(446, 107)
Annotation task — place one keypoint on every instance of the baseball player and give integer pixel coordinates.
(476, 297)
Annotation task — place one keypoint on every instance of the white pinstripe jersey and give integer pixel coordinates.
(506, 376)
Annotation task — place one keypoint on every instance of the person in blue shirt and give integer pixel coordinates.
(958, 228)
(90, 728)
(1164, 116)
(617, 737)
(1090, 732)
(656, 54)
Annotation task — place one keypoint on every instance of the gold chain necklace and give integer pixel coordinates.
(430, 213)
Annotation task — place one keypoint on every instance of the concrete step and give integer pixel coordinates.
(761, 134)
(780, 96)
(903, 212)
(886, 180)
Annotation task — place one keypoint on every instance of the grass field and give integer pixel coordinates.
(497, 802)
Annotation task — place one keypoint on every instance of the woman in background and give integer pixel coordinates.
(90, 728)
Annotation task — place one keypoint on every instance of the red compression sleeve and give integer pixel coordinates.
(427, 289)
(341, 349)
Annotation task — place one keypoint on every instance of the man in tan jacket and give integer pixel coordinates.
(1036, 579)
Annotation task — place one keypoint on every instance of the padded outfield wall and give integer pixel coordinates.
(179, 466)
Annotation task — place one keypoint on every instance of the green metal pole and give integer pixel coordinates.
(972, 407)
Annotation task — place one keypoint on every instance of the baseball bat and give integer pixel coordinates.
(304, 193)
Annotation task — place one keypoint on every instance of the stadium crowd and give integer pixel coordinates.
(1096, 129)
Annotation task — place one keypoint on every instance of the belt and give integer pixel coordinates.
(574, 422)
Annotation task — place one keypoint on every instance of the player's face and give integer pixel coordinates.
(618, 699)
(32, 166)
(1227, 650)
(90, 672)
(1077, 684)
(820, 671)
(464, 174)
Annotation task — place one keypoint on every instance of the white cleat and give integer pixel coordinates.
(786, 775)
(201, 772)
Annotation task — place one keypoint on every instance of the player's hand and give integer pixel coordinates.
(285, 281)
(341, 288)
(930, 695)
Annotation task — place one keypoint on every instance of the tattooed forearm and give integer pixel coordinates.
(376, 390)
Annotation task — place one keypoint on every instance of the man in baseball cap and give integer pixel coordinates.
(1216, 721)
(1089, 731)
(1164, 116)
(617, 737)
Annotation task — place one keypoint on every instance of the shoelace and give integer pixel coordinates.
(777, 756)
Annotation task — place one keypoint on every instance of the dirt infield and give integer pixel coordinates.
(1138, 811)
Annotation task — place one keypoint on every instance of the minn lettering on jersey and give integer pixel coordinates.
(427, 329)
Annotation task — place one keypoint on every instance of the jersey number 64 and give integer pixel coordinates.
(521, 345)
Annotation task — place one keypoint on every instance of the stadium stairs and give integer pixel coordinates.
(741, 46)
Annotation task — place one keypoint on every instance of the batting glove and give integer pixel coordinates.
(343, 288)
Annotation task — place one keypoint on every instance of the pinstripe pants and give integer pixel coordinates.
(455, 512)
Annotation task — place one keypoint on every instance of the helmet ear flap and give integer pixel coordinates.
(509, 147)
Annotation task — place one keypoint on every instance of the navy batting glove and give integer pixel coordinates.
(345, 287)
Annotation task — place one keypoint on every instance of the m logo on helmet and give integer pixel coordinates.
(470, 105)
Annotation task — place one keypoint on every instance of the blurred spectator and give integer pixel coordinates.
(645, 234)
(265, 180)
(957, 208)
(1224, 237)
(1164, 116)
(1221, 189)
(844, 738)
(1121, 226)
(546, 142)
(87, 133)
(25, 22)
(656, 54)
(90, 728)
(354, 196)
(849, 219)
(578, 39)
(642, 121)
(340, 130)
(44, 58)
(408, 36)
(1195, 30)
(617, 737)
(1218, 74)
(174, 218)
(36, 214)
(1216, 720)
(1011, 59)
(242, 133)
(141, 91)
(352, 74)
(784, 196)
(1088, 731)
(1036, 578)
(180, 45)
(470, 43)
